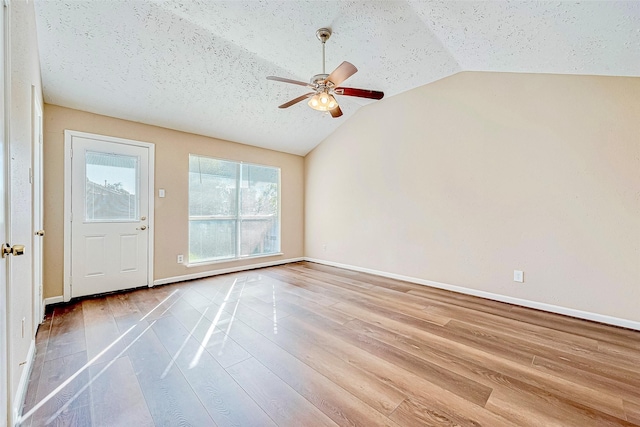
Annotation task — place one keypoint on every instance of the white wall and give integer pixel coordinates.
(466, 179)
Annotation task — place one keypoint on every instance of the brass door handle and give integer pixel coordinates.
(15, 250)
(40, 233)
(144, 227)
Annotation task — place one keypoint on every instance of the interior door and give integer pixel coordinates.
(4, 319)
(38, 231)
(109, 216)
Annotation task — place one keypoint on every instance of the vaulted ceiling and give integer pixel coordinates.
(201, 66)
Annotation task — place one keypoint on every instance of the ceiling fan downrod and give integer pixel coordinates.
(323, 35)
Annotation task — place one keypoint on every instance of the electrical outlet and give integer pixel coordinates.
(324, 247)
(180, 259)
(518, 276)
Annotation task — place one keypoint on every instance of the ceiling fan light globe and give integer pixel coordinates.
(332, 103)
(313, 102)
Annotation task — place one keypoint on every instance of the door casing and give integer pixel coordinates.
(68, 139)
(38, 210)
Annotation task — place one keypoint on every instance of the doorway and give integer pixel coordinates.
(108, 214)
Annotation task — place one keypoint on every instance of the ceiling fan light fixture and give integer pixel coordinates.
(325, 85)
(323, 102)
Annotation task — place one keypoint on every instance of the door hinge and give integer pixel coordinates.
(30, 176)
(71, 151)
(71, 217)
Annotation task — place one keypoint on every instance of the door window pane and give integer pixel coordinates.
(111, 187)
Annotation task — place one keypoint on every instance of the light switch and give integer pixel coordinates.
(161, 192)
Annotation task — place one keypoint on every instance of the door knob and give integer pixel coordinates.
(40, 233)
(144, 227)
(15, 250)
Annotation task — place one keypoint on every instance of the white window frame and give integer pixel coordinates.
(237, 217)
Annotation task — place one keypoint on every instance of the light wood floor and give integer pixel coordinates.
(309, 345)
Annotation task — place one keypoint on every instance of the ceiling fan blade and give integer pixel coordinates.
(336, 112)
(361, 93)
(342, 73)
(296, 100)
(282, 79)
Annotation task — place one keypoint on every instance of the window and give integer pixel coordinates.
(233, 210)
(111, 181)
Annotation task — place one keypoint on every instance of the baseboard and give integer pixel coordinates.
(53, 300)
(175, 279)
(224, 271)
(22, 385)
(601, 318)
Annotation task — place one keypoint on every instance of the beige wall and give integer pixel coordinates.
(460, 182)
(25, 78)
(171, 173)
(468, 178)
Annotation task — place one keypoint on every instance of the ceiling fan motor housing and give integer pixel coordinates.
(320, 82)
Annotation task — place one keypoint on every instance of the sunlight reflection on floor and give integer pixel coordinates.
(275, 311)
(212, 327)
(58, 389)
(233, 316)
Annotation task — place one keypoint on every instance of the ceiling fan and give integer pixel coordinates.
(324, 86)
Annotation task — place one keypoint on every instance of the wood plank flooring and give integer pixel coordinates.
(309, 345)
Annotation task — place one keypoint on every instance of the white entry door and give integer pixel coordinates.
(110, 214)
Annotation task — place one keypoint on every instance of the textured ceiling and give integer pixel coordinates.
(200, 66)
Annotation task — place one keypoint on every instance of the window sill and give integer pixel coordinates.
(224, 261)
